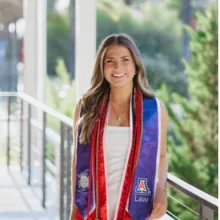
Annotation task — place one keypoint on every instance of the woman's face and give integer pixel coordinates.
(119, 66)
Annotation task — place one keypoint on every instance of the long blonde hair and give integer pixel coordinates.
(91, 99)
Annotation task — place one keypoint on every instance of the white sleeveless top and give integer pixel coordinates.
(116, 145)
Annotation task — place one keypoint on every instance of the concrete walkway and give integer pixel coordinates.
(18, 201)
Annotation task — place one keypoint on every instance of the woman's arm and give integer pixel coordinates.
(160, 200)
(163, 165)
(73, 167)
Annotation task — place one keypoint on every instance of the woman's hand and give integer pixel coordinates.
(160, 204)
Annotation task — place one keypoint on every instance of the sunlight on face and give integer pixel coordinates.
(119, 66)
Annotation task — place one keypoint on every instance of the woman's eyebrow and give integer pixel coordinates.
(109, 58)
(127, 56)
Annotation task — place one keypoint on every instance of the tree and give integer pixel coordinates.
(57, 40)
(72, 22)
(156, 30)
(186, 15)
(196, 130)
(51, 6)
(128, 2)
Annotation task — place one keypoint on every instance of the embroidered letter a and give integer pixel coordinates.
(142, 186)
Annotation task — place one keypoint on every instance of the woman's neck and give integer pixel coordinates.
(120, 95)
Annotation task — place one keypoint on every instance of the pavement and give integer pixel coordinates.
(18, 201)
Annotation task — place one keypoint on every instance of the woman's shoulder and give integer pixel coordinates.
(163, 110)
(76, 108)
(162, 105)
(76, 113)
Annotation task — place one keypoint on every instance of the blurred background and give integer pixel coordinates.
(47, 50)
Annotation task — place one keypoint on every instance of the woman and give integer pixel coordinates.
(119, 167)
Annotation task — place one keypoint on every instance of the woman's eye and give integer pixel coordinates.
(125, 60)
(109, 61)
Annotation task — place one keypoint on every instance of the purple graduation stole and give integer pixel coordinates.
(139, 181)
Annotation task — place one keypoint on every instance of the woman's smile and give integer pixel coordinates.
(119, 76)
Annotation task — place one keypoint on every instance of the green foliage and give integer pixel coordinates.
(175, 4)
(60, 94)
(51, 6)
(194, 157)
(160, 70)
(61, 97)
(57, 40)
(50, 152)
(156, 29)
(157, 32)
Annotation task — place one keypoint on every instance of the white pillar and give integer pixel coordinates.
(41, 49)
(85, 44)
(35, 62)
(30, 47)
(30, 64)
(35, 48)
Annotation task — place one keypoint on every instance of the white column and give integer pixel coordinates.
(85, 44)
(41, 49)
(30, 47)
(35, 48)
(30, 64)
(35, 62)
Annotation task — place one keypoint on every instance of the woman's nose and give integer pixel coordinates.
(117, 65)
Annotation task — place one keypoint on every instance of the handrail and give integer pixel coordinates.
(193, 192)
(40, 105)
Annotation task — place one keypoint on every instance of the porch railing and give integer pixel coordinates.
(30, 114)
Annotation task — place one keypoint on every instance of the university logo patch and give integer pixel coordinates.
(83, 181)
(142, 187)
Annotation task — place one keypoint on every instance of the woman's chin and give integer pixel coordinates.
(120, 85)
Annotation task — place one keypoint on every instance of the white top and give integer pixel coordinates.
(116, 144)
(117, 141)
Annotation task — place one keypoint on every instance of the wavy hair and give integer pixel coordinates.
(99, 85)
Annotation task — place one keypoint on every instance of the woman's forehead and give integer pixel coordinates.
(117, 51)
